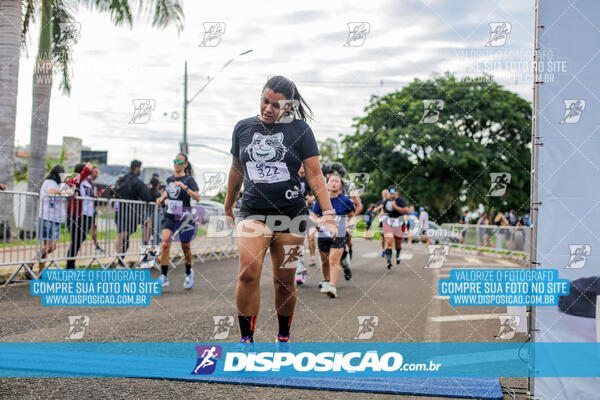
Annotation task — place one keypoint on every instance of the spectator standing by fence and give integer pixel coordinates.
(79, 222)
(128, 217)
(51, 214)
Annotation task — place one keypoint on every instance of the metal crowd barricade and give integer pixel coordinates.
(88, 232)
(64, 225)
(136, 225)
(18, 229)
(206, 245)
(492, 238)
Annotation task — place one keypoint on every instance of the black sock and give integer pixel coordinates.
(284, 324)
(247, 325)
(388, 255)
(165, 269)
(344, 255)
(188, 269)
(398, 253)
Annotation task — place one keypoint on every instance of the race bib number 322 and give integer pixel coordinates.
(267, 172)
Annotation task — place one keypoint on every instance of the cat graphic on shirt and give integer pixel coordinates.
(266, 148)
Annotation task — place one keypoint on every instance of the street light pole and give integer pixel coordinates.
(184, 143)
(184, 146)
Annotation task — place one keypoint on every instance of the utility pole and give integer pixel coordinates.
(184, 144)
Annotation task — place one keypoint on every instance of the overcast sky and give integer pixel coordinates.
(303, 41)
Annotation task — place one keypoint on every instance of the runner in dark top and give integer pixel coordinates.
(381, 216)
(268, 151)
(179, 217)
(393, 225)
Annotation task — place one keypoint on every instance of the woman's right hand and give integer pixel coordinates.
(230, 218)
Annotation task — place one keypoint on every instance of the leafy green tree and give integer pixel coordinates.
(58, 34)
(441, 156)
(329, 150)
(220, 197)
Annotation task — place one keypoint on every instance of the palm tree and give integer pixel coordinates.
(54, 49)
(10, 47)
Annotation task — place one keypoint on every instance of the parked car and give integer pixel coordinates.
(210, 208)
(436, 233)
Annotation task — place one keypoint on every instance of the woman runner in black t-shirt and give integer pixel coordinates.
(179, 217)
(393, 225)
(268, 151)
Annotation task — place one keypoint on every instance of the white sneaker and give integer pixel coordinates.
(324, 285)
(331, 291)
(189, 280)
(164, 281)
(301, 274)
(313, 261)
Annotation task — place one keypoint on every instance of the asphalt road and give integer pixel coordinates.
(404, 299)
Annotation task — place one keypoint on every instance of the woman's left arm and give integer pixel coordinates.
(193, 194)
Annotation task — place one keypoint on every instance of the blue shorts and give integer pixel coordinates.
(49, 230)
(186, 233)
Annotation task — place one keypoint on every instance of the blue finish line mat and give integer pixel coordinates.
(475, 388)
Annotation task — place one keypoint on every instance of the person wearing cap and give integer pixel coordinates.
(393, 225)
(424, 224)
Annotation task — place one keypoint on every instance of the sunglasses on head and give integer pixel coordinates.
(180, 162)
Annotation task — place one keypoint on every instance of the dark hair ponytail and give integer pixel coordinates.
(281, 84)
(55, 172)
(188, 169)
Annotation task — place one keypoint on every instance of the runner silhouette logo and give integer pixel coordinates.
(579, 254)
(207, 359)
(366, 326)
(500, 181)
(223, 323)
(573, 111)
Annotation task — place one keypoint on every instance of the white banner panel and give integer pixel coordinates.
(568, 234)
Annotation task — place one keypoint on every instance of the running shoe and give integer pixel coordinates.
(324, 285)
(304, 276)
(301, 273)
(164, 281)
(389, 265)
(99, 249)
(283, 343)
(313, 261)
(344, 263)
(189, 280)
(331, 291)
(246, 345)
(347, 273)
(301, 276)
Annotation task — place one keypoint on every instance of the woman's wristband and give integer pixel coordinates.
(329, 212)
